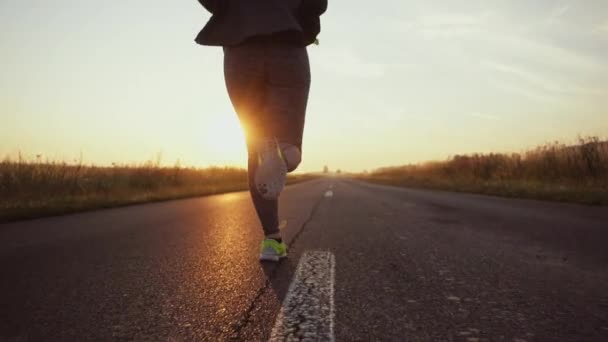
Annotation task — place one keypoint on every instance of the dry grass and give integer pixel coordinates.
(554, 171)
(32, 188)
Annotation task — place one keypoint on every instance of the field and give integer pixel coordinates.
(31, 189)
(555, 171)
(563, 172)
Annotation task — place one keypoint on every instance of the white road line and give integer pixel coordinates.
(308, 309)
(329, 193)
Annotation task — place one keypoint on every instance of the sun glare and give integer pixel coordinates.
(224, 141)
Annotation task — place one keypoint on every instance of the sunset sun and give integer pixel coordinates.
(224, 141)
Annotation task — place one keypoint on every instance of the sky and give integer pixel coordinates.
(393, 82)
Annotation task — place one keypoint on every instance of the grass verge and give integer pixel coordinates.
(516, 189)
(557, 172)
(36, 189)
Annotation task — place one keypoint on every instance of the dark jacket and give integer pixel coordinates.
(234, 21)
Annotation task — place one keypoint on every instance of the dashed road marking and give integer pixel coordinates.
(308, 309)
(329, 193)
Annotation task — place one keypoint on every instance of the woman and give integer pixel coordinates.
(267, 76)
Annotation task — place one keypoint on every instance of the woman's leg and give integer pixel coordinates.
(267, 209)
(244, 72)
(268, 85)
(287, 89)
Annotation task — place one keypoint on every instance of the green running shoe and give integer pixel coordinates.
(272, 250)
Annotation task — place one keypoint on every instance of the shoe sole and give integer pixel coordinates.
(270, 176)
(274, 258)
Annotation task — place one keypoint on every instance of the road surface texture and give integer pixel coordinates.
(377, 263)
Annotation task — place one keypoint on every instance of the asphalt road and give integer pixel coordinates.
(406, 265)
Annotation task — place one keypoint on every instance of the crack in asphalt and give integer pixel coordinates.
(240, 325)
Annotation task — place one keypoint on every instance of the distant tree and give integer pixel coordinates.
(338, 171)
(325, 169)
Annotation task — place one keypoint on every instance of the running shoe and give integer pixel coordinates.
(271, 173)
(272, 250)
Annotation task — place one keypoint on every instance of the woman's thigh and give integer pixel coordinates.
(268, 85)
(244, 74)
(287, 88)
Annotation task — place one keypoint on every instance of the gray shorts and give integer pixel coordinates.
(268, 84)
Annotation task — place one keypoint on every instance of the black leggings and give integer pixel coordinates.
(268, 85)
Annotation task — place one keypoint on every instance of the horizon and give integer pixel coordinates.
(422, 81)
(157, 161)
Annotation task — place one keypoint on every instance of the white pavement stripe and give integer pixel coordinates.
(308, 312)
(329, 193)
